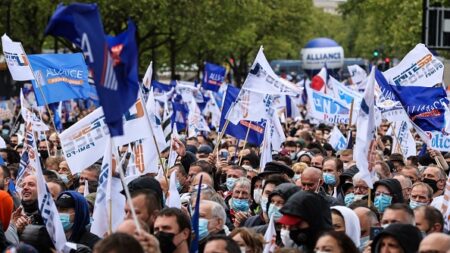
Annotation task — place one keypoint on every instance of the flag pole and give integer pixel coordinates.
(220, 136)
(245, 141)
(351, 114)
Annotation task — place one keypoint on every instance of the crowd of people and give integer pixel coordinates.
(315, 195)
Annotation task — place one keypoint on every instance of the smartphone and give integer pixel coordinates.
(374, 231)
(223, 155)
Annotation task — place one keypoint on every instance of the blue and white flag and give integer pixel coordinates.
(337, 139)
(256, 133)
(196, 121)
(195, 220)
(403, 141)
(179, 115)
(358, 77)
(345, 95)
(266, 147)
(326, 109)
(16, 59)
(116, 73)
(213, 76)
(61, 77)
(262, 78)
(251, 106)
(110, 203)
(173, 200)
(416, 82)
(365, 146)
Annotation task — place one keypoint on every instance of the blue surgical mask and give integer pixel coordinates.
(329, 178)
(273, 209)
(382, 202)
(65, 220)
(64, 178)
(414, 204)
(363, 241)
(5, 132)
(179, 186)
(202, 228)
(240, 204)
(264, 201)
(297, 177)
(230, 182)
(349, 199)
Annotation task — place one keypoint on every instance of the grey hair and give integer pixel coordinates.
(242, 181)
(358, 177)
(217, 210)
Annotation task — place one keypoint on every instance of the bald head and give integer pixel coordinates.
(406, 184)
(311, 179)
(207, 179)
(129, 227)
(367, 218)
(435, 242)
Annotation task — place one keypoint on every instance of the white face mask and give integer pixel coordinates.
(286, 239)
(243, 249)
(257, 195)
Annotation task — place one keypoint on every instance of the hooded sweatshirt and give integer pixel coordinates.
(408, 236)
(394, 187)
(352, 226)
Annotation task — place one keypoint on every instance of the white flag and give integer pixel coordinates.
(2, 143)
(357, 75)
(172, 154)
(47, 206)
(17, 60)
(403, 141)
(270, 237)
(276, 133)
(266, 147)
(365, 144)
(262, 78)
(30, 117)
(174, 196)
(86, 188)
(337, 139)
(110, 203)
(148, 76)
(196, 122)
(83, 143)
(251, 106)
(155, 122)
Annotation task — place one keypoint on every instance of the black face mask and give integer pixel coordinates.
(303, 237)
(166, 242)
(43, 154)
(432, 183)
(30, 206)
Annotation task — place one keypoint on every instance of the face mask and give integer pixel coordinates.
(382, 201)
(240, 204)
(65, 220)
(329, 178)
(432, 183)
(64, 178)
(297, 177)
(243, 249)
(43, 154)
(302, 237)
(166, 242)
(414, 204)
(264, 201)
(385, 226)
(275, 211)
(286, 239)
(363, 241)
(293, 156)
(202, 228)
(230, 183)
(349, 198)
(179, 186)
(5, 131)
(257, 195)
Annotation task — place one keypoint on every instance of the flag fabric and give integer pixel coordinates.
(319, 81)
(83, 143)
(56, 110)
(266, 147)
(172, 154)
(326, 109)
(167, 122)
(365, 145)
(115, 74)
(213, 76)
(25, 164)
(86, 188)
(270, 237)
(155, 121)
(213, 110)
(147, 80)
(403, 141)
(337, 139)
(261, 77)
(251, 106)
(416, 82)
(179, 116)
(109, 203)
(239, 131)
(29, 116)
(61, 77)
(2, 143)
(173, 200)
(358, 76)
(194, 220)
(16, 59)
(196, 121)
(345, 95)
(161, 87)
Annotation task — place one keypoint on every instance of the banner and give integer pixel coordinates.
(345, 95)
(262, 78)
(16, 59)
(84, 142)
(326, 109)
(251, 106)
(30, 117)
(337, 139)
(403, 141)
(213, 76)
(358, 76)
(61, 77)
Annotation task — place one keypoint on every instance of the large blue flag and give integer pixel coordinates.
(61, 76)
(213, 76)
(239, 131)
(115, 79)
(179, 115)
(161, 87)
